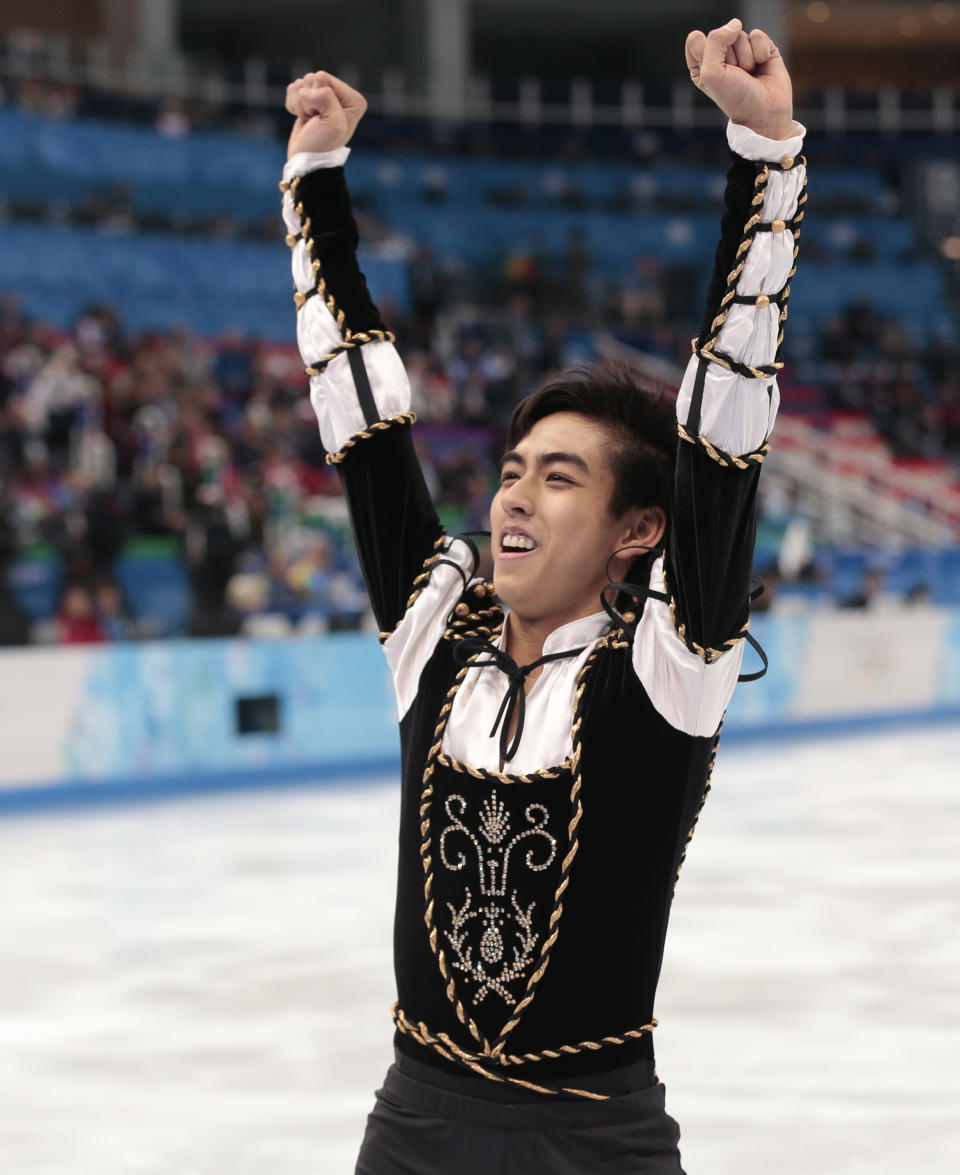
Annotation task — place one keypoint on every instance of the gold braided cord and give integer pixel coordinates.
(709, 655)
(703, 799)
(576, 805)
(419, 583)
(436, 756)
(715, 453)
(731, 364)
(366, 433)
(480, 1062)
(468, 634)
(300, 297)
(499, 777)
(705, 349)
(350, 340)
(463, 617)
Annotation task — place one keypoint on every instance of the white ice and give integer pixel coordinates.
(201, 987)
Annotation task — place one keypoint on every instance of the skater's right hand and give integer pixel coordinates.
(327, 111)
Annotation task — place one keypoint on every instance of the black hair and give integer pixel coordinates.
(642, 427)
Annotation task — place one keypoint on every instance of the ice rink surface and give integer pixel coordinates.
(201, 987)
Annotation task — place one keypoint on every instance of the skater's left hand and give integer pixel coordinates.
(745, 75)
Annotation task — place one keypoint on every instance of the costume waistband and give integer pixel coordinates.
(491, 1066)
(432, 1100)
(624, 1079)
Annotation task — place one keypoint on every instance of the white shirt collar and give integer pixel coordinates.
(585, 630)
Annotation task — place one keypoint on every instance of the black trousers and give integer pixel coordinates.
(421, 1129)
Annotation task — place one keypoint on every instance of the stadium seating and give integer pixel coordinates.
(473, 210)
(35, 580)
(156, 588)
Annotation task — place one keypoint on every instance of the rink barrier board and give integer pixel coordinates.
(93, 723)
(372, 772)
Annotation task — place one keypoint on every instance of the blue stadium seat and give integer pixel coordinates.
(157, 590)
(35, 581)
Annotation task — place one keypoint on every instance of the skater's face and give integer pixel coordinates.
(552, 532)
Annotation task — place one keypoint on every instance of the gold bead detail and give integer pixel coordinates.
(462, 609)
(778, 226)
(763, 302)
(787, 162)
(629, 617)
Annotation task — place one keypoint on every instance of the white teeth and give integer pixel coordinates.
(518, 542)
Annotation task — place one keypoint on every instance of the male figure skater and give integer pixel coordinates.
(558, 724)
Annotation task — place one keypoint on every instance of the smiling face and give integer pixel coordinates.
(552, 533)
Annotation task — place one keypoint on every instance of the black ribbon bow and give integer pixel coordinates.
(515, 699)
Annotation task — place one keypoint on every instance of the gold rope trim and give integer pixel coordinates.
(366, 433)
(709, 655)
(499, 777)
(715, 453)
(480, 1062)
(703, 799)
(300, 296)
(705, 350)
(360, 339)
(435, 756)
(420, 582)
(731, 364)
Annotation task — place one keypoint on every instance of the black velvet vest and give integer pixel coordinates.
(532, 910)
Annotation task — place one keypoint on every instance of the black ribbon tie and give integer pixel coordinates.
(515, 699)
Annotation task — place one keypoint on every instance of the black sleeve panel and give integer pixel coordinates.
(736, 212)
(325, 201)
(395, 524)
(709, 556)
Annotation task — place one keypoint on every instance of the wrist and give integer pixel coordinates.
(779, 128)
(302, 162)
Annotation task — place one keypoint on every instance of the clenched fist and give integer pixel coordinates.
(327, 111)
(745, 76)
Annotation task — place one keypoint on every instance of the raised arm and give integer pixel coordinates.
(358, 386)
(729, 396)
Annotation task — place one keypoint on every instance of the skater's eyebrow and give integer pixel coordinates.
(547, 459)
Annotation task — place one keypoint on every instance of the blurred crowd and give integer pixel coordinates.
(910, 389)
(206, 454)
(208, 451)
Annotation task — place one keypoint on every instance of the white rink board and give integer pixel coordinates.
(201, 987)
(165, 714)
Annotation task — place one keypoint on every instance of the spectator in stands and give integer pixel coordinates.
(172, 120)
(115, 620)
(426, 292)
(212, 550)
(872, 593)
(14, 621)
(77, 621)
(58, 399)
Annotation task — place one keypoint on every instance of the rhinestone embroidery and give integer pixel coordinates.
(507, 941)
